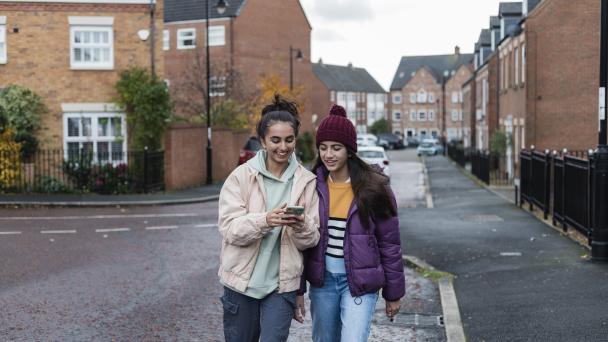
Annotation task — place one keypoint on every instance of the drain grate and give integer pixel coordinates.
(482, 218)
(414, 319)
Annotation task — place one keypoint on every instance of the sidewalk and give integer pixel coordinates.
(516, 279)
(194, 195)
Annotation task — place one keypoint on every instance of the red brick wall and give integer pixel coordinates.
(321, 102)
(454, 84)
(562, 39)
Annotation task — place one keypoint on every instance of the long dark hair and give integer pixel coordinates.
(370, 187)
(280, 110)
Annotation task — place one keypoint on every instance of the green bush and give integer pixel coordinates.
(51, 185)
(29, 145)
(380, 126)
(305, 147)
(498, 142)
(22, 108)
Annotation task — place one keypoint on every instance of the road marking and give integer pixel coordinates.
(10, 233)
(451, 314)
(208, 225)
(161, 227)
(109, 230)
(28, 218)
(58, 231)
(510, 254)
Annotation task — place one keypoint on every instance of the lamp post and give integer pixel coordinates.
(444, 80)
(221, 8)
(299, 58)
(599, 241)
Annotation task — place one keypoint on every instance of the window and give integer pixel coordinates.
(218, 86)
(413, 115)
(166, 37)
(102, 137)
(421, 97)
(217, 35)
(454, 115)
(460, 97)
(421, 115)
(434, 134)
(431, 98)
(396, 116)
(412, 97)
(91, 47)
(523, 63)
(454, 97)
(2, 40)
(516, 56)
(396, 98)
(186, 39)
(332, 96)
(431, 115)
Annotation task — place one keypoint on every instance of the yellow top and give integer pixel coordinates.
(340, 198)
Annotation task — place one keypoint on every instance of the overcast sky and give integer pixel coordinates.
(375, 34)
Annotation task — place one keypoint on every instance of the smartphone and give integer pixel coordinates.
(294, 210)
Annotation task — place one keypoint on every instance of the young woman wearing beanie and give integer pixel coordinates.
(359, 252)
(261, 262)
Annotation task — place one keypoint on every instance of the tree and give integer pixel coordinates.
(22, 108)
(380, 126)
(498, 142)
(268, 87)
(148, 106)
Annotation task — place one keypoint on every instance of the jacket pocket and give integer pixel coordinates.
(229, 306)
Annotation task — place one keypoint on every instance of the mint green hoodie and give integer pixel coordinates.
(265, 277)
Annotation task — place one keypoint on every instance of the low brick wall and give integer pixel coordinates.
(186, 154)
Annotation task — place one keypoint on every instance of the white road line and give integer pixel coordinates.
(58, 231)
(161, 227)
(109, 230)
(209, 225)
(10, 233)
(28, 218)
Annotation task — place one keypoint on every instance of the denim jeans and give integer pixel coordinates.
(338, 316)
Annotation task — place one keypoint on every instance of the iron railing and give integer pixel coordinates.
(82, 171)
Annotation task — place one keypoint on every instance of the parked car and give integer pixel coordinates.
(429, 147)
(366, 139)
(392, 141)
(412, 141)
(252, 146)
(374, 155)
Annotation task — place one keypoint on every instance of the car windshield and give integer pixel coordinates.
(252, 145)
(370, 154)
(426, 144)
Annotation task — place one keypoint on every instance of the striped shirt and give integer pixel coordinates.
(337, 228)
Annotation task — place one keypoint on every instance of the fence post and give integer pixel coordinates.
(530, 176)
(146, 169)
(599, 232)
(547, 180)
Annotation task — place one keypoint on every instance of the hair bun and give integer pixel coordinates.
(337, 110)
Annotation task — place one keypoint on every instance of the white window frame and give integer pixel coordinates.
(455, 115)
(431, 97)
(95, 138)
(332, 96)
(421, 98)
(397, 98)
(413, 97)
(397, 115)
(217, 35)
(166, 40)
(523, 63)
(516, 57)
(181, 39)
(83, 65)
(422, 115)
(454, 97)
(431, 115)
(413, 115)
(3, 44)
(218, 86)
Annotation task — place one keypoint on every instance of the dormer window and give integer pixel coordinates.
(421, 96)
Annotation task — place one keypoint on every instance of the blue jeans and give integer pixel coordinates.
(338, 316)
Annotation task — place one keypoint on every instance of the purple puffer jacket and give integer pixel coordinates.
(372, 257)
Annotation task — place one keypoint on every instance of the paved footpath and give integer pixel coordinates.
(517, 279)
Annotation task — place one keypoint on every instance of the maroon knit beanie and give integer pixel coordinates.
(337, 127)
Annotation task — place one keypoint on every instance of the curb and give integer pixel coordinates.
(427, 185)
(451, 313)
(98, 204)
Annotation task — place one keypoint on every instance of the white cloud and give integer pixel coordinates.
(343, 10)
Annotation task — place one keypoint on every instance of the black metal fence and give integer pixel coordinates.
(82, 171)
(560, 184)
(490, 168)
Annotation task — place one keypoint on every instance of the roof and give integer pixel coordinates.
(435, 64)
(494, 22)
(183, 10)
(510, 9)
(346, 78)
(485, 37)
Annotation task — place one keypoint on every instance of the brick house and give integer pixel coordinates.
(485, 98)
(468, 110)
(249, 41)
(562, 74)
(353, 88)
(420, 87)
(71, 53)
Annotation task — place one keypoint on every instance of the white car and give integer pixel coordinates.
(366, 140)
(374, 155)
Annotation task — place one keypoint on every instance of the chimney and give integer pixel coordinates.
(350, 65)
(321, 61)
(457, 51)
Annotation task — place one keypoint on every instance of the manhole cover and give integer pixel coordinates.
(482, 218)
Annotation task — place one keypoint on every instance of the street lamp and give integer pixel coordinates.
(299, 58)
(444, 79)
(221, 8)
(599, 241)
